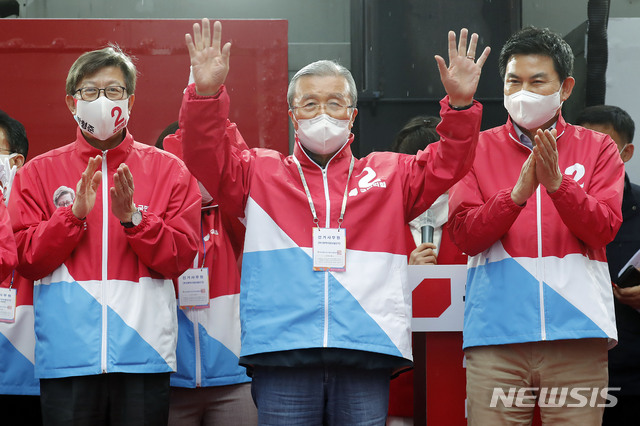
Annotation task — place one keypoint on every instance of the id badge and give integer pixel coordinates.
(329, 249)
(8, 304)
(193, 288)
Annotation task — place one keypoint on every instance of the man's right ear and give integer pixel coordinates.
(627, 153)
(18, 160)
(71, 104)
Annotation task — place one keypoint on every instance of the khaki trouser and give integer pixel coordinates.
(215, 405)
(566, 378)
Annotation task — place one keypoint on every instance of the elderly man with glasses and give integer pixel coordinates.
(104, 302)
(325, 308)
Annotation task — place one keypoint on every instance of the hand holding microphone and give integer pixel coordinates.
(425, 253)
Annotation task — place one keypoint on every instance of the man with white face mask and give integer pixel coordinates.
(8, 257)
(535, 215)
(324, 307)
(104, 255)
(19, 388)
(13, 151)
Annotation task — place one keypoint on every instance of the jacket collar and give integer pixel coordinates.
(115, 156)
(560, 127)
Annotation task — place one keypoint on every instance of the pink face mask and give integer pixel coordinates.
(530, 110)
(323, 134)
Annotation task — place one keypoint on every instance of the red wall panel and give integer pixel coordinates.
(36, 54)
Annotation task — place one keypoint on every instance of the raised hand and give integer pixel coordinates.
(86, 188)
(121, 193)
(209, 63)
(546, 153)
(461, 78)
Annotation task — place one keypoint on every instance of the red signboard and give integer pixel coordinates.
(37, 54)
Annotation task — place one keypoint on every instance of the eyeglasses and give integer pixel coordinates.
(311, 109)
(5, 150)
(114, 93)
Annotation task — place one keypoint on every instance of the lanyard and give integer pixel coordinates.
(306, 189)
(204, 249)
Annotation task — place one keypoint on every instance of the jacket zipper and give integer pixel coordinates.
(539, 260)
(105, 253)
(540, 263)
(194, 315)
(325, 341)
(196, 335)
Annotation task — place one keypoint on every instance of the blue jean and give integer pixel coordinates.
(319, 396)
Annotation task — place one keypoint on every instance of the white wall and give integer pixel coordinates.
(622, 78)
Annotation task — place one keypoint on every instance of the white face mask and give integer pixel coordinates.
(323, 134)
(7, 173)
(530, 110)
(103, 117)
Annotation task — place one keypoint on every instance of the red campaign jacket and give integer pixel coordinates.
(8, 254)
(16, 338)
(285, 305)
(17, 342)
(103, 297)
(538, 271)
(209, 338)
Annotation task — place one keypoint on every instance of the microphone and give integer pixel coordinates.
(427, 227)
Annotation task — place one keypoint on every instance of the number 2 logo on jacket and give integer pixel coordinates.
(367, 182)
(577, 171)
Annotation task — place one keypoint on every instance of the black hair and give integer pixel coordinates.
(16, 134)
(416, 135)
(609, 114)
(536, 41)
(169, 130)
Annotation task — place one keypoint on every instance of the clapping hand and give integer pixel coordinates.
(86, 188)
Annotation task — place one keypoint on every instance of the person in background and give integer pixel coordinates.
(624, 359)
(324, 312)
(9, 258)
(210, 388)
(19, 388)
(418, 133)
(104, 300)
(535, 214)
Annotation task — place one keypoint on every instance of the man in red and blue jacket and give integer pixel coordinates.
(324, 304)
(209, 386)
(103, 256)
(535, 214)
(20, 390)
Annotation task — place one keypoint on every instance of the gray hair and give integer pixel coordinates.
(324, 68)
(90, 63)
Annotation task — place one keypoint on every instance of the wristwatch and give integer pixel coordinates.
(136, 218)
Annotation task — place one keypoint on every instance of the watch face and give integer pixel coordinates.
(136, 218)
